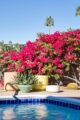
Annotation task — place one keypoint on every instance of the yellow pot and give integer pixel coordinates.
(9, 81)
(41, 82)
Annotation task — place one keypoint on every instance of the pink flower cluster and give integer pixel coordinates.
(47, 55)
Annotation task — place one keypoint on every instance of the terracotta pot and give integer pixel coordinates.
(9, 81)
(42, 81)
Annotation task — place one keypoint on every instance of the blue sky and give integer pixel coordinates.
(21, 20)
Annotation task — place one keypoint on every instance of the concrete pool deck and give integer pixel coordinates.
(64, 92)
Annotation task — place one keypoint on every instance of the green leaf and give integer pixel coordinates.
(57, 76)
(67, 68)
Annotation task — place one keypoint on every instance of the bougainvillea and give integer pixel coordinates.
(50, 54)
(7, 60)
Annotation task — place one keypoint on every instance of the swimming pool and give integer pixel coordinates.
(38, 109)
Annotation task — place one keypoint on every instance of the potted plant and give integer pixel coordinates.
(41, 81)
(24, 81)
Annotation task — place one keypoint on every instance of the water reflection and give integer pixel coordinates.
(37, 112)
(41, 112)
(8, 114)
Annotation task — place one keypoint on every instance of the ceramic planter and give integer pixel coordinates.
(52, 88)
(42, 81)
(25, 88)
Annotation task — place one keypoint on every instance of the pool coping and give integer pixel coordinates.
(61, 101)
(67, 99)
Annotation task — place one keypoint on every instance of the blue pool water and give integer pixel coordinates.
(41, 111)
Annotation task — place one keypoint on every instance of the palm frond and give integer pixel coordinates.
(78, 11)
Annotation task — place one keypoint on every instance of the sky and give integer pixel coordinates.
(21, 20)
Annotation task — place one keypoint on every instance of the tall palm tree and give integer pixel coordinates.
(78, 11)
(49, 22)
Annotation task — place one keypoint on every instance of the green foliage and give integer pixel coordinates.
(67, 66)
(10, 46)
(57, 76)
(78, 11)
(24, 78)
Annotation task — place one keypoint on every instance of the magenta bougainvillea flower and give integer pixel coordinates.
(50, 54)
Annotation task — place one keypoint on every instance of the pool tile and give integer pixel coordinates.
(0, 101)
(41, 100)
(4, 102)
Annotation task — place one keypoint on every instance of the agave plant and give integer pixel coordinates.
(24, 78)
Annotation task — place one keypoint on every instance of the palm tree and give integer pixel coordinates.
(78, 11)
(49, 22)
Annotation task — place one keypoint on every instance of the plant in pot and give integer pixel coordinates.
(24, 81)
